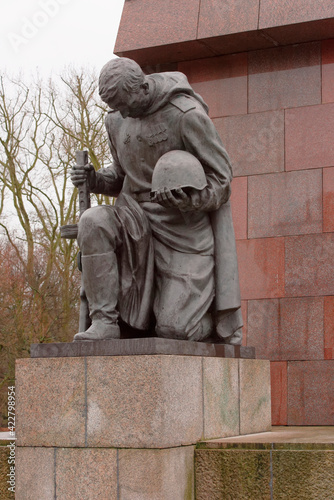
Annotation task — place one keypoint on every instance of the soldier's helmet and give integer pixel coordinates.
(178, 169)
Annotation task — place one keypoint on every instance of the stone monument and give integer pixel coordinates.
(162, 261)
(166, 252)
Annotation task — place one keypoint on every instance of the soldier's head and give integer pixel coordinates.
(124, 87)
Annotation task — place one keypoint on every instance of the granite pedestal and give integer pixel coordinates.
(125, 427)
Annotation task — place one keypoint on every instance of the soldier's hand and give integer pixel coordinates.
(178, 198)
(81, 174)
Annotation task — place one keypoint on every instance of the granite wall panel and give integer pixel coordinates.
(221, 81)
(328, 71)
(287, 203)
(237, 42)
(309, 265)
(261, 268)
(311, 392)
(287, 329)
(301, 329)
(148, 24)
(80, 472)
(165, 474)
(221, 399)
(144, 419)
(264, 327)
(329, 327)
(279, 392)
(35, 472)
(214, 68)
(255, 401)
(239, 207)
(328, 199)
(301, 32)
(309, 137)
(255, 142)
(284, 77)
(216, 18)
(39, 420)
(285, 12)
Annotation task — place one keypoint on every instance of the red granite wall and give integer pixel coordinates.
(274, 110)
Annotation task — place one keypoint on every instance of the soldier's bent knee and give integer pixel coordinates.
(98, 230)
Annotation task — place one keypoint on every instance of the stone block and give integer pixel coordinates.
(301, 328)
(221, 81)
(272, 327)
(309, 265)
(279, 392)
(328, 199)
(255, 142)
(237, 42)
(35, 473)
(286, 203)
(327, 71)
(285, 12)
(311, 392)
(237, 474)
(329, 327)
(261, 268)
(303, 474)
(221, 397)
(288, 462)
(155, 59)
(239, 203)
(284, 77)
(255, 401)
(158, 401)
(309, 137)
(223, 18)
(156, 474)
(86, 474)
(291, 34)
(144, 401)
(264, 327)
(42, 384)
(147, 24)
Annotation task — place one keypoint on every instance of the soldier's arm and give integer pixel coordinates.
(201, 139)
(109, 180)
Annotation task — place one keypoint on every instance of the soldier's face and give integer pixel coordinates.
(131, 104)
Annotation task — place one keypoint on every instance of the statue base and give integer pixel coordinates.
(126, 426)
(140, 346)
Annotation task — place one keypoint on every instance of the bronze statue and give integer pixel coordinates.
(165, 252)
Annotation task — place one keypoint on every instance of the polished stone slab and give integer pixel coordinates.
(140, 346)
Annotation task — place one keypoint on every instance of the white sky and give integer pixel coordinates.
(52, 34)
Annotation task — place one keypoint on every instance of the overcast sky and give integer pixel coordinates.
(51, 34)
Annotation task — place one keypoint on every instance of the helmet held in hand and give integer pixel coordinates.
(178, 169)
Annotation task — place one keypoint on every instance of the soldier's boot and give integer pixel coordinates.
(101, 284)
(229, 326)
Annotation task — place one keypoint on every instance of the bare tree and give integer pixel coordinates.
(41, 127)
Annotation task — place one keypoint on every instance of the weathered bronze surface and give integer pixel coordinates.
(161, 259)
(141, 346)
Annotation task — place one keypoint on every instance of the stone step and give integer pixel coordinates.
(287, 463)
